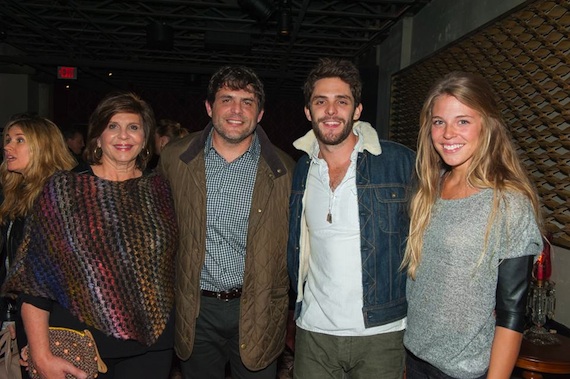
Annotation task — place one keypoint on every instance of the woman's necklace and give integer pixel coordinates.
(8, 233)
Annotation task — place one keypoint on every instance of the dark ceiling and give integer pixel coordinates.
(169, 44)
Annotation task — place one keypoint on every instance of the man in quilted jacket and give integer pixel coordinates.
(231, 189)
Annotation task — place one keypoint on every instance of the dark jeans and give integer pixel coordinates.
(153, 364)
(217, 342)
(417, 368)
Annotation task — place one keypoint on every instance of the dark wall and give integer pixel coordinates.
(284, 119)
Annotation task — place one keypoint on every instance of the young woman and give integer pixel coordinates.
(34, 149)
(474, 232)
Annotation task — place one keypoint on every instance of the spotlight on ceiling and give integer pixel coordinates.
(259, 9)
(284, 20)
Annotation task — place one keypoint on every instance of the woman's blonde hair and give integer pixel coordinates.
(495, 164)
(48, 154)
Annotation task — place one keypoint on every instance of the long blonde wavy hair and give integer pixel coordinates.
(48, 154)
(495, 164)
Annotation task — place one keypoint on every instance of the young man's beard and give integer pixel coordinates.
(333, 139)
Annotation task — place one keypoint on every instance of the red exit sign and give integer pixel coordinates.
(66, 72)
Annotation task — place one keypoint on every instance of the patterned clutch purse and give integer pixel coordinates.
(77, 347)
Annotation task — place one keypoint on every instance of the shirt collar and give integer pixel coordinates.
(253, 151)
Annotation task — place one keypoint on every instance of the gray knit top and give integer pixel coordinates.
(451, 302)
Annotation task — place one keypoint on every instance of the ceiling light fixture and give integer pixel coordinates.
(284, 20)
(259, 9)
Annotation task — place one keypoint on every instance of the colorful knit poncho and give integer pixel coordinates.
(103, 250)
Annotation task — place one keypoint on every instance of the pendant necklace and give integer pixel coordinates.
(331, 198)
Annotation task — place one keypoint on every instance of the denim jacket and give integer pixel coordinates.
(384, 173)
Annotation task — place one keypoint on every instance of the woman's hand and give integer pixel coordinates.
(47, 365)
(24, 355)
(52, 367)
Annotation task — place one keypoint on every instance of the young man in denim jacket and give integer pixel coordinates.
(347, 233)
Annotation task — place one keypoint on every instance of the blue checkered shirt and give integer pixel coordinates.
(229, 189)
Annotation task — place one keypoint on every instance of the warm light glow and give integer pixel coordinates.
(543, 266)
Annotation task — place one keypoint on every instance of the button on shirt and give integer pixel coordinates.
(229, 190)
(332, 302)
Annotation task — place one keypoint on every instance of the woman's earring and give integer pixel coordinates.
(144, 154)
(98, 153)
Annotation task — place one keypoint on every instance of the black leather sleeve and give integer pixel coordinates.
(512, 289)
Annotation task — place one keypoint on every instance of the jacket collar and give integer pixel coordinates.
(268, 151)
(362, 129)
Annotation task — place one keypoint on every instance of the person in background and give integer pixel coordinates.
(76, 143)
(166, 131)
(98, 252)
(74, 139)
(348, 226)
(231, 187)
(34, 150)
(474, 232)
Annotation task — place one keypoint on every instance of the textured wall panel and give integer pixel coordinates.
(526, 57)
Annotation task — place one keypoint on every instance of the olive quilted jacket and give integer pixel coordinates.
(264, 300)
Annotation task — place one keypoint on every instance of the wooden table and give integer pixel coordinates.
(550, 359)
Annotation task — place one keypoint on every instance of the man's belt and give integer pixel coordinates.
(230, 294)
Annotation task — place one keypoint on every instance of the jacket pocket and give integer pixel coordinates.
(390, 206)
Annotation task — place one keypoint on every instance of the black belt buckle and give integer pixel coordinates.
(230, 294)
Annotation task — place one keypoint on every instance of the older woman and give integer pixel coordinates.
(98, 251)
